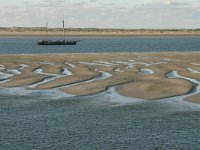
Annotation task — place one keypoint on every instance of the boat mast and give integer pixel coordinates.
(63, 28)
(46, 29)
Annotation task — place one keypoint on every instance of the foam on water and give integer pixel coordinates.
(20, 91)
(66, 72)
(132, 63)
(69, 64)
(103, 76)
(23, 91)
(111, 97)
(142, 63)
(118, 70)
(121, 62)
(38, 71)
(156, 63)
(180, 100)
(2, 67)
(5, 75)
(195, 64)
(22, 66)
(97, 63)
(50, 77)
(172, 74)
(47, 63)
(192, 70)
(13, 71)
(105, 63)
(27, 90)
(146, 71)
(168, 59)
(51, 94)
(44, 81)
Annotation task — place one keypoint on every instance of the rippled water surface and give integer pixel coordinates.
(96, 122)
(13, 45)
(83, 123)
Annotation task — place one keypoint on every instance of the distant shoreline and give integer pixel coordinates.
(97, 32)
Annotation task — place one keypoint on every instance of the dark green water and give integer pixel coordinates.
(29, 123)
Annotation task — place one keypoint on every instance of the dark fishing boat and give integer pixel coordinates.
(50, 42)
(59, 42)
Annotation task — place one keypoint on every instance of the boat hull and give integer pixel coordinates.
(44, 42)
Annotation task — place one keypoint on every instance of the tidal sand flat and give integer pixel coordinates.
(144, 76)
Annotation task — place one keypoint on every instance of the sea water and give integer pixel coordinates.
(27, 45)
(85, 123)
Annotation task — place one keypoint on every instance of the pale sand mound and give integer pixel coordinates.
(155, 89)
(194, 99)
(52, 69)
(28, 80)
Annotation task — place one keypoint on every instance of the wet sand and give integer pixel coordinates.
(137, 75)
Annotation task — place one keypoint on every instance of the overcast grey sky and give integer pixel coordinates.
(102, 13)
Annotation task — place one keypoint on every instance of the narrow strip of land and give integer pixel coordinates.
(17, 31)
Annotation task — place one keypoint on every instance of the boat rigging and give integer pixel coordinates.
(58, 42)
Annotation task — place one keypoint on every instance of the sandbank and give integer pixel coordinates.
(138, 75)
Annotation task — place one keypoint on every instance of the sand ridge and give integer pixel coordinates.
(143, 74)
